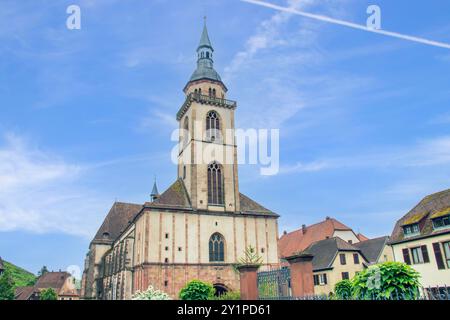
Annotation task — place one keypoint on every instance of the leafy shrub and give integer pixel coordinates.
(48, 294)
(197, 290)
(151, 294)
(343, 290)
(6, 286)
(389, 280)
(230, 295)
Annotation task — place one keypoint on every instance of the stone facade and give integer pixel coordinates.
(167, 242)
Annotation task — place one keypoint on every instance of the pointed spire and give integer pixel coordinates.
(155, 194)
(204, 40)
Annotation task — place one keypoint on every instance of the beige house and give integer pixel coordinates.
(422, 239)
(335, 260)
(62, 282)
(201, 225)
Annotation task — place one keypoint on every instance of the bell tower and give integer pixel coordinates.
(207, 159)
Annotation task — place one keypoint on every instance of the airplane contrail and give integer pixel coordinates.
(349, 24)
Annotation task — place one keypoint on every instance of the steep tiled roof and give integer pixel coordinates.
(175, 196)
(116, 221)
(250, 206)
(433, 205)
(371, 249)
(53, 280)
(299, 240)
(325, 251)
(361, 237)
(23, 293)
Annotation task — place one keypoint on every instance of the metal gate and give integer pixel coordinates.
(275, 284)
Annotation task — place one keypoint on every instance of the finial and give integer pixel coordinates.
(204, 19)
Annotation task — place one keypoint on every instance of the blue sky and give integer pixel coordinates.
(86, 115)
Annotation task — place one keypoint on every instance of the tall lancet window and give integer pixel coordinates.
(216, 248)
(212, 126)
(215, 184)
(185, 131)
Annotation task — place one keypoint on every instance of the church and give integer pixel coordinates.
(201, 225)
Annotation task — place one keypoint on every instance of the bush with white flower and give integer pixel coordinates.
(151, 294)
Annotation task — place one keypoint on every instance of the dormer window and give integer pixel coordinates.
(411, 230)
(441, 222)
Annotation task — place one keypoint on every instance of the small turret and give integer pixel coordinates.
(155, 194)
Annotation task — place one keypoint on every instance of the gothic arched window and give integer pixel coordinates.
(216, 248)
(186, 131)
(215, 184)
(212, 126)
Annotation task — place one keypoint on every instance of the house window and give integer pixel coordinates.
(212, 126)
(412, 229)
(263, 250)
(166, 260)
(345, 276)
(356, 258)
(446, 246)
(185, 131)
(342, 258)
(420, 255)
(320, 279)
(350, 241)
(215, 184)
(167, 236)
(167, 248)
(441, 222)
(216, 248)
(166, 283)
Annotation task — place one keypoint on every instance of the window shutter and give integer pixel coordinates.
(426, 258)
(406, 256)
(325, 278)
(316, 280)
(438, 255)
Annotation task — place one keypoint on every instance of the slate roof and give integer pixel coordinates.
(371, 249)
(299, 240)
(325, 252)
(116, 221)
(205, 66)
(430, 206)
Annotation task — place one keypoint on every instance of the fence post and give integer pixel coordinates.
(302, 280)
(249, 281)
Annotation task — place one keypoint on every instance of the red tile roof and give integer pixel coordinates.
(299, 240)
(361, 237)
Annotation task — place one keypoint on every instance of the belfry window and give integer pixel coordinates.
(215, 184)
(186, 131)
(216, 248)
(212, 126)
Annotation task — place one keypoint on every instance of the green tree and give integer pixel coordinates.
(43, 271)
(343, 290)
(6, 286)
(197, 290)
(230, 295)
(389, 280)
(48, 294)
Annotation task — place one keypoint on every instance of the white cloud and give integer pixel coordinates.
(424, 153)
(39, 192)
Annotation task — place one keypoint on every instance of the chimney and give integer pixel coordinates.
(303, 228)
(327, 218)
(284, 232)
